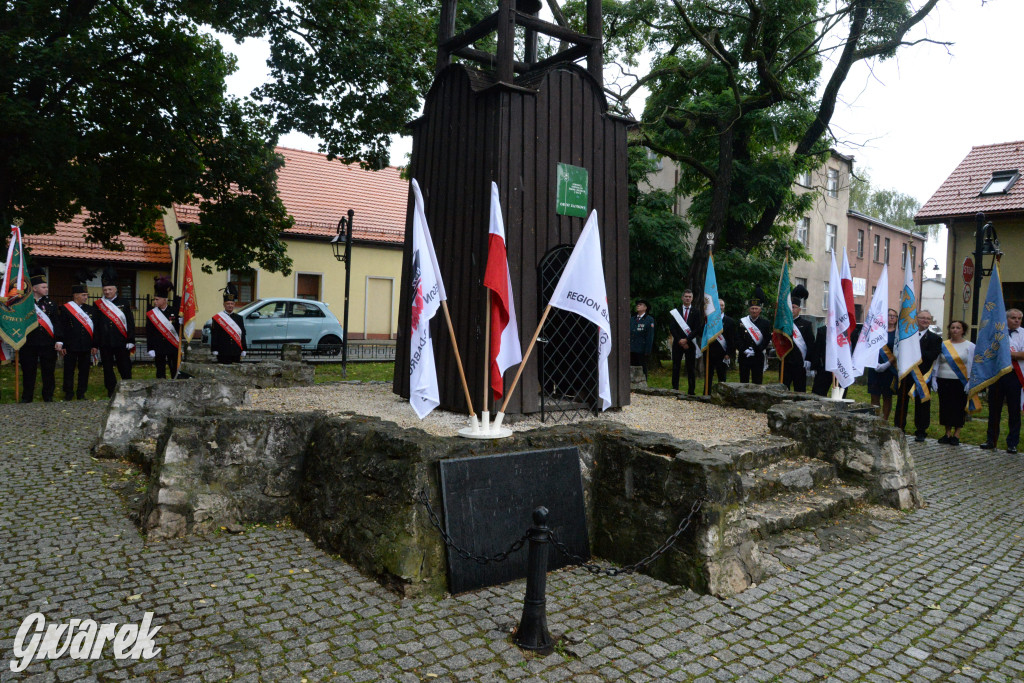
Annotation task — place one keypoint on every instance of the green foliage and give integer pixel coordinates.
(889, 205)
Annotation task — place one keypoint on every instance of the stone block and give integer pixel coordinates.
(262, 375)
(756, 397)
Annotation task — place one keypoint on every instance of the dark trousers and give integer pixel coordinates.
(122, 358)
(1006, 390)
(752, 369)
(678, 355)
(165, 361)
(639, 359)
(922, 409)
(44, 359)
(795, 377)
(80, 360)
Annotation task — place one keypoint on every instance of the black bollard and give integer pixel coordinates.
(533, 626)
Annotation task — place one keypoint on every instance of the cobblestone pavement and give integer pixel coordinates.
(935, 596)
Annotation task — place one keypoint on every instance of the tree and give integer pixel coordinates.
(888, 205)
(119, 108)
(734, 99)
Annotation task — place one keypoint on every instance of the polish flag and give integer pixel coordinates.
(505, 348)
(847, 282)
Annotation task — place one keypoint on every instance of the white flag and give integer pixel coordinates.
(427, 294)
(837, 341)
(581, 290)
(874, 333)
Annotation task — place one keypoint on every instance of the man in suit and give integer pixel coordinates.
(753, 335)
(1007, 389)
(931, 347)
(162, 337)
(685, 340)
(39, 351)
(800, 359)
(115, 332)
(227, 336)
(75, 334)
(721, 350)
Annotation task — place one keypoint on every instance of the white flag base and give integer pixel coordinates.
(486, 429)
(837, 395)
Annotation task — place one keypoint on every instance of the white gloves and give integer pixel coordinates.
(749, 353)
(215, 353)
(130, 347)
(807, 366)
(243, 354)
(59, 345)
(884, 366)
(727, 362)
(151, 354)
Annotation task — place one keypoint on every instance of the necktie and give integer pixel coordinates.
(686, 314)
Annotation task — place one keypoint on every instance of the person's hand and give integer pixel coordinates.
(151, 353)
(884, 366)
(130, 347)
(684, 343)
(214, 353)
(807, 366)
(749, 353)
(243, 354)
(727, 362)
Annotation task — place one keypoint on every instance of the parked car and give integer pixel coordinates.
(269, 323)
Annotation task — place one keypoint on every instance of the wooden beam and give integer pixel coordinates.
(554, 30)
(570, 55)
(445, 32)
(489, 59)
(471, 35)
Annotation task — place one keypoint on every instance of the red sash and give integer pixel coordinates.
(160, 322)
(114, 314)
(229, 326)
(80, 316)
(44, 320)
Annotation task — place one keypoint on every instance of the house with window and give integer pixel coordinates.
(987, 182)
(317, 194)
(873, 244)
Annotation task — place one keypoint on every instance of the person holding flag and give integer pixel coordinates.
(19, 318)
(950, 379)
(712, 337)
(797, 361)
(838, 329)
(40, 351)
(752, 337)
(162, 337)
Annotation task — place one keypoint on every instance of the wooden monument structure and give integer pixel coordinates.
(514, 120)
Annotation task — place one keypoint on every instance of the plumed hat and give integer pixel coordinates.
(109, 276)
(82, 276)
(38, 276)
(162, 286)
(799, 295)
(231, 292)
(757, 298)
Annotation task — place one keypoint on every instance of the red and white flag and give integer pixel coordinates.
(14, 271)
(847, 281)
(581, 289)
(427, 295)
(188, 300)
(505, 348)
(838, 359)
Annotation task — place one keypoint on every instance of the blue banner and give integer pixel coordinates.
(992, 351)
(712, 311)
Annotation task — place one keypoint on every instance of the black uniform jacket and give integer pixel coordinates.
(221, 341)
(155, 339)
(74, 334)
(744, 341)
(39, 337)
(108, 336)
(794, 357)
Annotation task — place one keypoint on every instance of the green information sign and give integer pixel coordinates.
(572, 191)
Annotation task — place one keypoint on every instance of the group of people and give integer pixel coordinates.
(945, 365)
(84, 334)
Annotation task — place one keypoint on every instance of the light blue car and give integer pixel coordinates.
(269, 323)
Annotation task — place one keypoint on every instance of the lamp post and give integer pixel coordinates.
(986, 243)
(341, 244)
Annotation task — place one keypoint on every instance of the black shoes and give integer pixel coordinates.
(953, 441)
(945, 439)
(919, 439)
(986, 446)
(1011, 450)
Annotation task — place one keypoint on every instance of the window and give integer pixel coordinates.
(886, 259)
(656, 158)
(860, 244)
(824, 297)
(1001, 182)
(307, 286)
(830, 237)
(273, 309)
(874, 251)
(802, 228)
(833, 183)
(245, 280)
(804, 179)
(913, 257)
(873, 288)
(903, 256)
(306, 311)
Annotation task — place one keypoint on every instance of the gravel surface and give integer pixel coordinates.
(702, 422)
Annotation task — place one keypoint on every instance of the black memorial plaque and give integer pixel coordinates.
(489, 502)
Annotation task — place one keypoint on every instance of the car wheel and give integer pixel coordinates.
(329, 346)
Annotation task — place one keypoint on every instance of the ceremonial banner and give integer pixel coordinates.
(505, 348)
(427, 294)
(17, 305)
(874, 334)
(782, 330)
(992, 350)
(846, 279)
(189, 305)
(581, 289)
(14, 270)
(837, 341)
(712, 310)
(908, 341)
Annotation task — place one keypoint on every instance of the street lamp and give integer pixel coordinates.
(341, 245)
(986, 243)
(935, 265)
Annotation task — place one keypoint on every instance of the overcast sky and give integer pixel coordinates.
(909, 120)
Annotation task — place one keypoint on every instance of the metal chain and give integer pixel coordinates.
(424, 500)
(597, 569)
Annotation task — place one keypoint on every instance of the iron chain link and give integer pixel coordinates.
(423, 499)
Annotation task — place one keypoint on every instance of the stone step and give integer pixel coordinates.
(794, 474)
(793, 510)
(753, 454)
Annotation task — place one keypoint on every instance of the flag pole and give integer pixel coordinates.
(458, 358)
(484, 413)
(526, 357)
(17, 382)
(707, 367)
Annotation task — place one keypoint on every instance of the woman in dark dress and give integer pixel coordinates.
(952, 368)
(882, 383)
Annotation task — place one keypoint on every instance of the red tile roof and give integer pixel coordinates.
(69, 242)
(960, 194)
(318, 192)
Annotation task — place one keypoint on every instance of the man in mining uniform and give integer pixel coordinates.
(227, 335)
(75, 333)
(752, 337)
(40, 349)
(115, 332)
(162, 337)
(799, 360)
